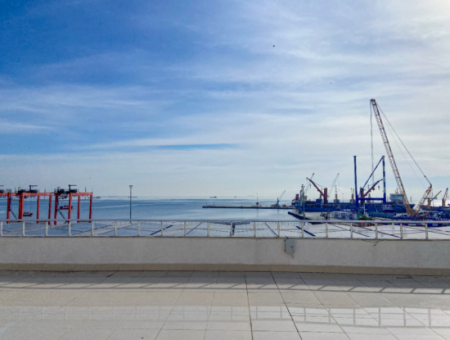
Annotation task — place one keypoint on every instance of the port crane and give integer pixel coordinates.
(390, 154)
(432, 199)
(444, 198)
(279, 199)
(323, 193)
(365, 194)
(333, 187)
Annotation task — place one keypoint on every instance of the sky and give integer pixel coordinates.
(223, 98)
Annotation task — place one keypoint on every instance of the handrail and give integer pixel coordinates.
(230, 220)
(239, 228)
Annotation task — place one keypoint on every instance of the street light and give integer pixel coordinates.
(131, 190)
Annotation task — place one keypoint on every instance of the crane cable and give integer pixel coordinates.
(390, 129)
(389, 123)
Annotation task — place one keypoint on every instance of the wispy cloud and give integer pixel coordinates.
(20, 128)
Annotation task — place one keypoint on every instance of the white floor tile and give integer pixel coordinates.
(273, 326)
(276, 336)
(221, 305)
(228, 335)
(323, 336)
(181, 335)
(134, 334)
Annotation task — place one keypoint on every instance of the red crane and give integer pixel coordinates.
(364, 194)
(323, 194)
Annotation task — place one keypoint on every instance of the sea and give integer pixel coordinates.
(148, 208)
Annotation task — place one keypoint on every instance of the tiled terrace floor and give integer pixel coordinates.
(222, 305)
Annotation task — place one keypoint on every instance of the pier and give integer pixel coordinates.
(244, 207)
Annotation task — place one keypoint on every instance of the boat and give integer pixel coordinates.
(65, 207)
(27, 214)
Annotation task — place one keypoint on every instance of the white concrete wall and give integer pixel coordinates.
(315, 255)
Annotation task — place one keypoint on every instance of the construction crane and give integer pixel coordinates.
(279, 199)
(323, 194)
(390, 154)
(444, 198)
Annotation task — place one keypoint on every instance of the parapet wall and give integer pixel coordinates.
(250, 254)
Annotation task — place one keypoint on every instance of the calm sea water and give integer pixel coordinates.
(151, 208)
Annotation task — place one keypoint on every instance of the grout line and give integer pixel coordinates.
(284, 301)
(248, 303)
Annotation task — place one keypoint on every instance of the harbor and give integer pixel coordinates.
(243, 207)
(369, 202)
(217, 170)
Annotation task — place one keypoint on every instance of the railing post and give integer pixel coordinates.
(70, 228)
(162, 227)
(426, 231)
(207, 229)
(139, 228)
(278, 225)
(23, 228)
(376, 230)
(326, 229)
(1, 228)
(254, 229)
(115, 228)
(92, 228)
(46, 228)
(401, 230)
(185, 228)
(303, 229)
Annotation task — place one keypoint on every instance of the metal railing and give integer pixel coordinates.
(329, 229)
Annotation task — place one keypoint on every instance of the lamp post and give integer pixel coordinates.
(131, 190)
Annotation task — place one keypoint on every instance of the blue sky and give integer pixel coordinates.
(218, 97)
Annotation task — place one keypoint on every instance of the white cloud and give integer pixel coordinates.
(294, 109)
(14, 127)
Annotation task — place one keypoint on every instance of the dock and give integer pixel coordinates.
(244, 207)
(308, 216)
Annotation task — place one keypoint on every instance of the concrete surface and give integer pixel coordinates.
(312, 255)
(168, 305)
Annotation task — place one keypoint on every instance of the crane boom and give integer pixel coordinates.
(422, 201)
(306, 189)
(333, 184)
(371, 188)
(431, 199)
(444, 198)
(390, 154)
(320, 191)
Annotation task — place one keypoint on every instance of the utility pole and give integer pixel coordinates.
(131, 190)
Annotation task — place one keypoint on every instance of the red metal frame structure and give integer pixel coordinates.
(22, 196)
(69, 211)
